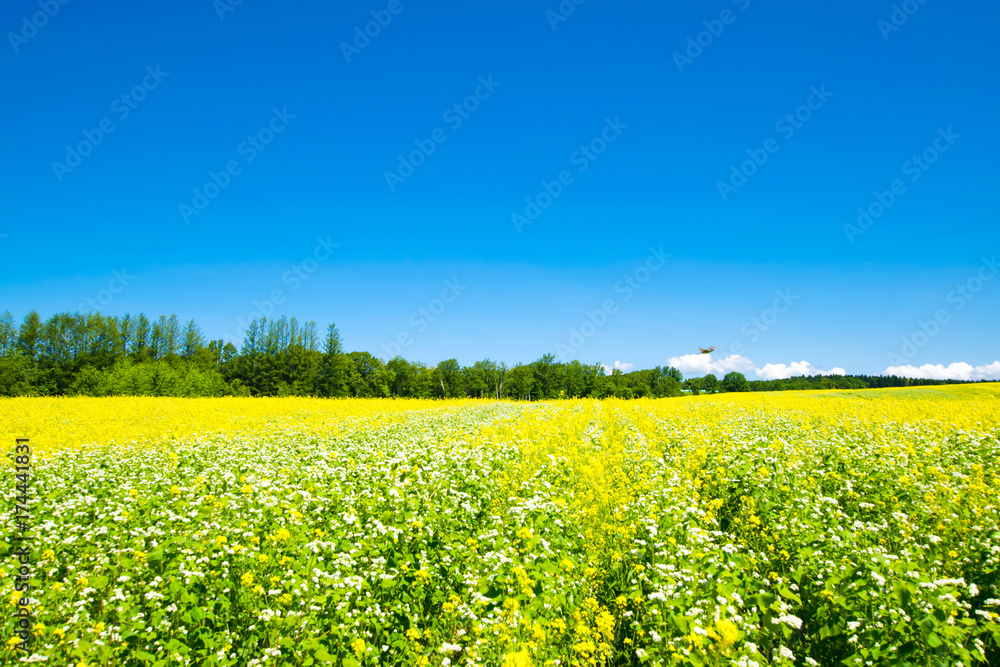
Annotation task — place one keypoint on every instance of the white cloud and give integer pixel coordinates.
(623, 367)
(794, 369)
(958, 370)
(696, 365)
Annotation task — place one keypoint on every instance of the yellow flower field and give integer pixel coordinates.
(72, 422)
(796, 528)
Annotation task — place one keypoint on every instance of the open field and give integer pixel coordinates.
(795, 528)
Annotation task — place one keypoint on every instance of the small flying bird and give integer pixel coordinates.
(709, 350)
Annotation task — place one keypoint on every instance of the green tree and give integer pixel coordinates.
(493, 375)
(412, 380)
(578, 379)
(228, 353)
(475, 379)
(735, 382)
(402, 368)
(448, 380)
(520, 382)
(617, 385)
(310, 337)
(29, 339)
(140, 344)
(164, 341)
(335, 377)
(546, 377)
(17, 376)
(8, 334)
(371, 378)
(192, 340)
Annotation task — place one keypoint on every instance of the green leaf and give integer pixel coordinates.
(764, 600)
(789, 595)
(681, 622)
(933, 640)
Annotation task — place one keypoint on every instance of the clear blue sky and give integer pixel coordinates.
(551, 87)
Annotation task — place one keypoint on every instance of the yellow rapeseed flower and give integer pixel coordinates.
(519, 659)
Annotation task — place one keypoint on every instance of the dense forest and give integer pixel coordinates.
(96, 355)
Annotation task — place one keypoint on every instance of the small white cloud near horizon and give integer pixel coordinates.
(696, 365)
(623, 367)
(703, 364)
(958, 370)
(794, 369)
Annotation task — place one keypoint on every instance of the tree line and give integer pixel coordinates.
(737, 382)
(96, 355)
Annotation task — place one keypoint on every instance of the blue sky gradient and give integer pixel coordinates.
(205, 83)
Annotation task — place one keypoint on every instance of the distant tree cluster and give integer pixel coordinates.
(710, 384)
(95, 355)
(734, 381)
(844, 382)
